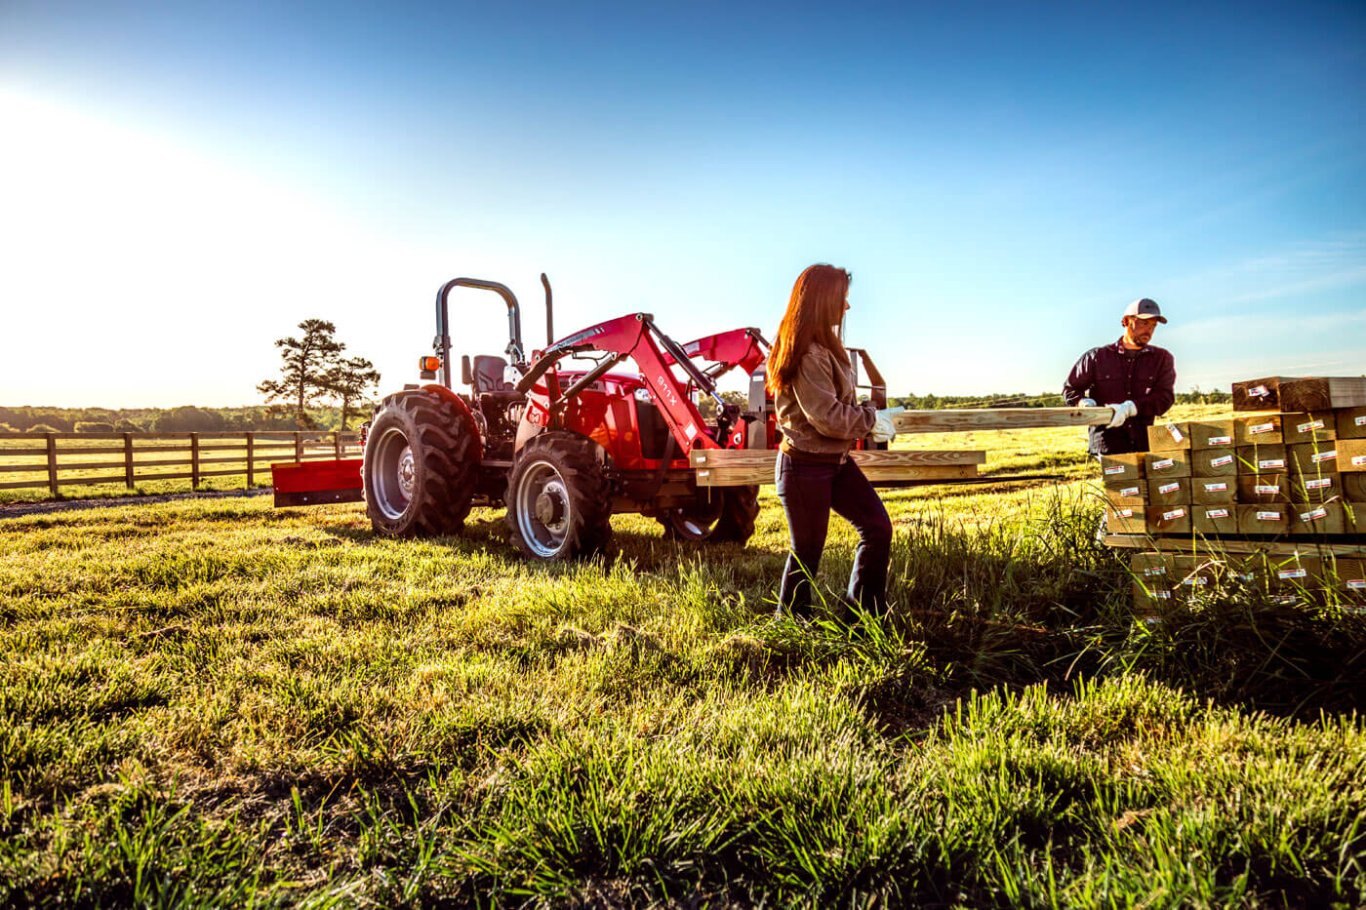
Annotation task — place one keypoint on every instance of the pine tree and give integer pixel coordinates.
(308, 363)
(349, 380)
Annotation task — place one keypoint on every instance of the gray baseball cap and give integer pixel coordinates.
(1144, 308)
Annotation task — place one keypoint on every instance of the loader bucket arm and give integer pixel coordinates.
(744, 348)
(634, 336)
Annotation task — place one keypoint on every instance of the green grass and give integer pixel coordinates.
(215, 703)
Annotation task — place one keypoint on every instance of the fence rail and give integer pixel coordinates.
(55, 460)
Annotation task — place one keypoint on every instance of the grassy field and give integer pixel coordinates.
(215, 703)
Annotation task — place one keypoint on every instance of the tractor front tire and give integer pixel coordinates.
(421, 465)
(559, 499)
(731, 520)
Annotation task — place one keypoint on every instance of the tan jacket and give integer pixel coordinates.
(817, 413)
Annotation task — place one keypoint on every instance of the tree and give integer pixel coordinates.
(308, 362)
(349, 380)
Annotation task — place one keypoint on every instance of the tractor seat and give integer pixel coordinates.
(489, 370)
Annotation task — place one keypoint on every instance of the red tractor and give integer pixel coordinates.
(563, 448)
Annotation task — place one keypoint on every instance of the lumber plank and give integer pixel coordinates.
(738, 467)
(964, 419)
(1322, 394)
(1259, 394)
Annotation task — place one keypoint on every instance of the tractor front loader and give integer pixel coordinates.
(562, 448)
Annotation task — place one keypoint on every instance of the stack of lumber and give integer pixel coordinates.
(1260, 474)
(1272, 496)
(1162, 580)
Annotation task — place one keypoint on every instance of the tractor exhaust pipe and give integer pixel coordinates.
(549, 312)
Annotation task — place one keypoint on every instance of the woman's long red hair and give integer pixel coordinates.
(814, 309)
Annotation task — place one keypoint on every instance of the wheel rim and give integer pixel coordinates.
(696, 522)
(394, 475)
(688, 526)
(544, 511)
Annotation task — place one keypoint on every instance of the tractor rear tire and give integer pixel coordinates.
(559, 498)
(732, 521)
(421, 465)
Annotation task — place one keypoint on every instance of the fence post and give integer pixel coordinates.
(298, 445)
(128, 459)
(251, 460)
(194, 461)
(336, 444)
(52, 462)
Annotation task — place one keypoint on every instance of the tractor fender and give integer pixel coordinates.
(461, 408)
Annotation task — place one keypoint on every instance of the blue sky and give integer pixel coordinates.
(183, 183)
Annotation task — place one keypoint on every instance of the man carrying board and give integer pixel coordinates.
(1131, 375)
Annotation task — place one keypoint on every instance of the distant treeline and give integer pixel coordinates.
(190, 419)
(1023, 400)
(187, 419)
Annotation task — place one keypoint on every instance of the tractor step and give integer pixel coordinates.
(315, 483)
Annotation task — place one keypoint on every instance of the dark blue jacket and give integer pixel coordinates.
(1109, 375)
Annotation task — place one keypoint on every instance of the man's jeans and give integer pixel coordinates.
(808, 493)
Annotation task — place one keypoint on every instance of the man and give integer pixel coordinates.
(1133, 376)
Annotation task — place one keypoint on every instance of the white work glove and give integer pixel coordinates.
(1123, 411)
(883, 431)
(1087, 403)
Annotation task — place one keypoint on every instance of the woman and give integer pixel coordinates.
(812, 381)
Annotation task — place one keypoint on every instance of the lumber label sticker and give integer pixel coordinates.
(1325, 456)
(1314, 514)
(1267, 489)
(1115, 469)
(1267, 464)
(1360, 421)
(1130, 491)
(1175, 431)
(1155, 570)
(1258, 429)
(1221, 461)
(1219, 487)
(1221, 440)
(1125, 513)
(1216, 513)
(1311, 425)
(1318, 483)
(1163, 463)
(1356, 584)
(1173, 514)
(1298, 572)
(1197, 580)
(1258, 391)
(1270, 516)
(1169, 488)
(1359, 461)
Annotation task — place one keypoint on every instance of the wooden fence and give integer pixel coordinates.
(54, 460)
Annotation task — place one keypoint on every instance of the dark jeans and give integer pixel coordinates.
(808, 493)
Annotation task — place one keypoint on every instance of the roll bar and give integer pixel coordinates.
(515, 352)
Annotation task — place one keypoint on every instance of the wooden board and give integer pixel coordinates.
(1223, 545)
(1259, 394)
(739, 467)
(958, 420)
(1211, 434)
(1159, 465)
(1169, 437)
(1322, 394)
(1352, 423)
(1351, 456)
